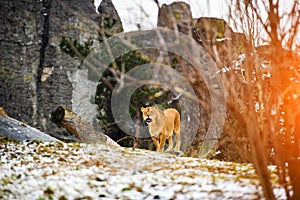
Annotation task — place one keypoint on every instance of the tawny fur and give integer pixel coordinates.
(162, 125)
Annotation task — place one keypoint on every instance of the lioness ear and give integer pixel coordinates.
(142, 109)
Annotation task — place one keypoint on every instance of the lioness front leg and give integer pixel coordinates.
(162, 142)
(156, 143)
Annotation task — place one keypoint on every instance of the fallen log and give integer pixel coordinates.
(20, 131)
(83, 130)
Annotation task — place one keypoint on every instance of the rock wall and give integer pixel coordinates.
(20, 40)
(36, 76)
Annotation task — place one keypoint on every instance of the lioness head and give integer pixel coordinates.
(148, 114)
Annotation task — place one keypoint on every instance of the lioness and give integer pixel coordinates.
(161, 125)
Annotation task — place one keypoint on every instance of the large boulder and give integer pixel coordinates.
(211, 28)
(176, 16)
(219, 39)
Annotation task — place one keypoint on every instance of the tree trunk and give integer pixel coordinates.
(84, 131)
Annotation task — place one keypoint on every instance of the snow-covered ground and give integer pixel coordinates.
(43, 170)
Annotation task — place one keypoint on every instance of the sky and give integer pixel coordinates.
(144, 12)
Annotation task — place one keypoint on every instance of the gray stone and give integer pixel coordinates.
(176, 16)
(19, 131)
(109, 17)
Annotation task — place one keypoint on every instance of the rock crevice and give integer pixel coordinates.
(44, 42)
